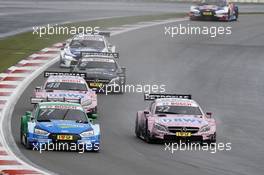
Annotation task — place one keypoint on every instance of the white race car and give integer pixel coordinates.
(65, 86)
(71, 52)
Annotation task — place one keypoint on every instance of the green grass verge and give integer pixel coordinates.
(17, 47)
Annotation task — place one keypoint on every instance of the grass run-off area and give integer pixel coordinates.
(20, 46)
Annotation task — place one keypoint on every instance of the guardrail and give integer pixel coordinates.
(240, 1)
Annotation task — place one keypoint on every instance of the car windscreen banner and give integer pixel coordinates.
(157, 96)
(54, 73)
(103, 54)
(34, 100)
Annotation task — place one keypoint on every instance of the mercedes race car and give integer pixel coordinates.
(214, 10)
(103, 73)
(59, 123)
(71, 52)
(174, 117)
(69, 86)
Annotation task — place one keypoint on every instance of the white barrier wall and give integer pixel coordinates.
(240, 1)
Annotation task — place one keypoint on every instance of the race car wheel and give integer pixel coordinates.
(228, 18)
(211, 140)
(136, 128)
(25, 141)
(236, 13)
(148, 138)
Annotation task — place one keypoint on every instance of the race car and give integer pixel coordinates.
(71, 52)
(214, 10)
(174, 117)
(65, 85)
(103, 73)
(59, 123)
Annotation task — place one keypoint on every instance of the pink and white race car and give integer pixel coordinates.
(174, 117)
(65, 86)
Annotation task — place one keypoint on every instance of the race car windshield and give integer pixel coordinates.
(220, 3)
(182, 110)
(49, 114)
(66, 86)
(99, 45)
(98, 65)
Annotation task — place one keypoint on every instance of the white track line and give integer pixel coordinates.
(8, 107)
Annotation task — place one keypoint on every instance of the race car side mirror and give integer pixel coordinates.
(146, 112)
(112, 48)
(38, 88)
(209, 114)
(92, 116)
(28, 115)
(123, 70)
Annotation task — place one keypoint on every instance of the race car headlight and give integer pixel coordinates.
(221, 10)
(41, 132)
(194, 9)
(160, 127)
(205, 128)
(114, 80)
(68, 57)
(87, 102)
(87, 133)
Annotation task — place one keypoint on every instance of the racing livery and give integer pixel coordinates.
(214, 10)
(59, 122)
(68, 86)
(102, 71)
(173, 117)
(71, 52)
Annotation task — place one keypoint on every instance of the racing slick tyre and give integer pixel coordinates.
(137, 132)
(211, 140)
(229, 15)
(236, 13)
(24, 141)
(148, 138)
(61, 61)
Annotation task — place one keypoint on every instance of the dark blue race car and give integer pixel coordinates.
(214, 10)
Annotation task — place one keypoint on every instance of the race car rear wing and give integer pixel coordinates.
(103, 33)
(150, 97)
(53, 73)
(103, 54)
(39, 100)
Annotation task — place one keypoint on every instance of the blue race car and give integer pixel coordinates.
(221, 10)
(60, 126)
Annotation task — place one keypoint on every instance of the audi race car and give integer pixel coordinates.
(214, 10)
(103, 73)
(68, 86)
(71, 52)
(174, 117)
(60, 124)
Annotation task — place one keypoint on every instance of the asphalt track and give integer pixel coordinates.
(21, 15)
(224, 74)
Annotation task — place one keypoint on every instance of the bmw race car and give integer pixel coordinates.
(174, 117)
(71, 52)
(68, 86)
(214, 10)
(103, 73)
(60, 124)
